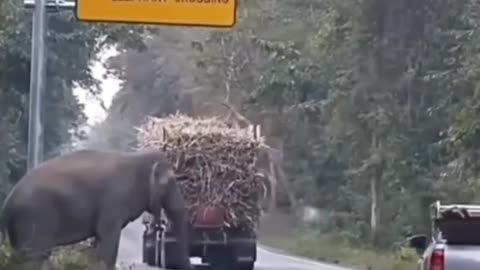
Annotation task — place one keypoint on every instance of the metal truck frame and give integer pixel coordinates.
(218, 247)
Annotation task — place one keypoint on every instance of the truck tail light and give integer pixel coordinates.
(437, 260)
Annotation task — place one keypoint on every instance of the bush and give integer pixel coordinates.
(338, 250)
(71, 258)
(5, 256)
(334, 249)
(343, 247)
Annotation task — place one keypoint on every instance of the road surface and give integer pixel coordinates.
(130, 254)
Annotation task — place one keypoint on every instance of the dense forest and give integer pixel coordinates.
(371, 103)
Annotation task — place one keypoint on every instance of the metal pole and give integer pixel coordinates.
(52, 5)
(37, 85)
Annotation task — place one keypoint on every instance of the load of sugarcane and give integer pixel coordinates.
(214, 163)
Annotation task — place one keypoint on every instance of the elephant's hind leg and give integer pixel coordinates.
(34, 241)
(29, 258)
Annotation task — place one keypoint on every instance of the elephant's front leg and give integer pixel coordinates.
(108, 242)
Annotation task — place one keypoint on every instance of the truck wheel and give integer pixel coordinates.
(245, 266)
(149, 250)
(244, 250)
(149, 260)
(171, 257)
(219, 258)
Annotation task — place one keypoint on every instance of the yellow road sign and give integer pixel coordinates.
(210, 13)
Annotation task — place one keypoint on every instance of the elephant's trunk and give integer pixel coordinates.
(159, 178)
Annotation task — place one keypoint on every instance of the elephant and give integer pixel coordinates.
(92, 194)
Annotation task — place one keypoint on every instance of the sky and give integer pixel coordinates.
(110, 86)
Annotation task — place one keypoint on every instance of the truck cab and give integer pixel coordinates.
(455, 239)
(218, 246)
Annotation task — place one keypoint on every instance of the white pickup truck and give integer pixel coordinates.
(455, 239)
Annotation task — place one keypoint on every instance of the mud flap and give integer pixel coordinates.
(244, 255)
(167, 252)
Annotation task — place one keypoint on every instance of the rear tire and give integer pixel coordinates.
(150, 261)
(244, 249)
(220, 258)
(171, 257)
(245, 266)
(149, 250)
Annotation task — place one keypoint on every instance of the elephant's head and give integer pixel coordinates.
(161, 179)
(164, 193)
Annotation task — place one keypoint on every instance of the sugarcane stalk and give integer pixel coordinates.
(215, 164)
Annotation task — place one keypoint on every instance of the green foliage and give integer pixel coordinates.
(283, 233)
(5, 256)
(71, 46)
(373, 103)
(332, 250)
(374, 95)
(64, 259)
(72, 259)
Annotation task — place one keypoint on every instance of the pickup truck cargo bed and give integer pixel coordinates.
(455, 239)
(462, 257)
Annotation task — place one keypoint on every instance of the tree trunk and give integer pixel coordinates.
(282, 178)
(373, 205)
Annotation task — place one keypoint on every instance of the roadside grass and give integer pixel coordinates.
(74, 257)
(65, 259)
(331, 248)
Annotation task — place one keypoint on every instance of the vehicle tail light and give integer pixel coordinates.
(437, 260)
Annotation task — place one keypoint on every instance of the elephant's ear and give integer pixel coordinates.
(154, 174)
(159, 175)
(159, 179)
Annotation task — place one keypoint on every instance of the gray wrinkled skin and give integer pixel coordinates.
(91, 193)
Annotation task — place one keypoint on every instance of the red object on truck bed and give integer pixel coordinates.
(209, 216)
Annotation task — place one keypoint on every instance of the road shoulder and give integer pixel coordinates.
(281, 234)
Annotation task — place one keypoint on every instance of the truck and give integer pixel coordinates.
(218, 247)
(454, 242)
(225, 203)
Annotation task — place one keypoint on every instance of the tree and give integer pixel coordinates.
(71, 46)
(371, 103)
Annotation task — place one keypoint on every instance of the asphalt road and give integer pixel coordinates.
(130, 255)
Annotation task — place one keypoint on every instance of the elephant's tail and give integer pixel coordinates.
(4, 239)
(3, 231)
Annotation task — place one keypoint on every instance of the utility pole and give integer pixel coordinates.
(38, 76)
(37, 85)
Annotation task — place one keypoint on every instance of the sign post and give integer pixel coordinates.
(37, 86)
(38, 77)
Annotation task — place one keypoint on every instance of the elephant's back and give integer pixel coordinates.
(90, 163)
(84, 170)
(74, 181)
